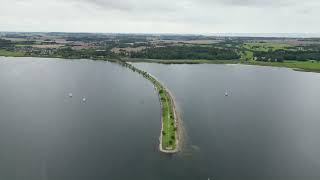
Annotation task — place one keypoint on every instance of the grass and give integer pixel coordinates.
(311, 66)
(11, 53)
(168, 122)
(168, 133)
(266, 46)
(246, 55)
(22, 45)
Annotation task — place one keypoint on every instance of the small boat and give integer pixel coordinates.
(84, 99)
(70, 94)
(226, 94)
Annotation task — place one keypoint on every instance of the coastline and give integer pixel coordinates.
(177, 120)
(302, 66)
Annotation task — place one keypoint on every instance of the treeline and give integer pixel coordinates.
(84, 53)
(186, 52)
(9, 44)
(281, 55)
(5, 43)
(87, 38)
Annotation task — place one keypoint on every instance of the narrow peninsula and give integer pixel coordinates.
(169, 136)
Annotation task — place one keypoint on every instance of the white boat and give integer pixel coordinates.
(226, 94)
(84, 99)
(70, 94)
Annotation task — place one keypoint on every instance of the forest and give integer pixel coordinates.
(186, 52)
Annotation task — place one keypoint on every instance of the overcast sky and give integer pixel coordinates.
(161, 16)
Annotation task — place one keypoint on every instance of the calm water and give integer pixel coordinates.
(267, 128)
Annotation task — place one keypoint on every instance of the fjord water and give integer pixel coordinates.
(267, 128)
(45, 134)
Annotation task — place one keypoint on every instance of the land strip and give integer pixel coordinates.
(169, 136)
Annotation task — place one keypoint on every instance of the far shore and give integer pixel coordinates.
(304, 66)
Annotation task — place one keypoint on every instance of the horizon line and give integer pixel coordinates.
(228, 34)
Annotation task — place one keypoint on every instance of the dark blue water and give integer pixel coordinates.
(267, 128)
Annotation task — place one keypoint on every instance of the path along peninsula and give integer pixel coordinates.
(169, 140)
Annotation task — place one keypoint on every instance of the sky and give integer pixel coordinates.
(161, 16)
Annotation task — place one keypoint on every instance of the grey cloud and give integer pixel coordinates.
(112, 4)
(256, 3)
(164, 8)
(135, 5)
(175, 16)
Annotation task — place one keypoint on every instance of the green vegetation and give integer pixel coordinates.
(168, 122)
(186, 52)
(265, 46)
(5, 43)
(4, 52)
(297, 53)
(83, 53)
(169, 127)
(312, 66)
(246, 55)
(281, 55)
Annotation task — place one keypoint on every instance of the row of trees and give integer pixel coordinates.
(84, 53)
(280, 55)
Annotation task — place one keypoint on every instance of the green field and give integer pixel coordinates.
(312, 66)
(168, 123)
(265, 46)
(168, 133)
(246, 55)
